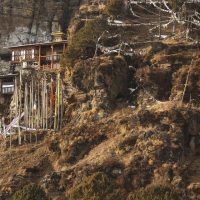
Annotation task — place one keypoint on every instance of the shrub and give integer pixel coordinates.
(154, 193)
(83, 43)
(30, 192)
(114, 7)
(96, 187)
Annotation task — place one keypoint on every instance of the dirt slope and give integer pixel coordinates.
(133, 118)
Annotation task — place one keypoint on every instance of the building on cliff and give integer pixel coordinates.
(34, 85)
(40, 56)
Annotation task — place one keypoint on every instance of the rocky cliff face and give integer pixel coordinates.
(32, 20)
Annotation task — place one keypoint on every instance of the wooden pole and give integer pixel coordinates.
(32, 102)
(39, 60)
(62, 105)
(50, 99)
(41, 115)
(16, 98)
(30, 113)
(55, 112)
(35, 105)
(20, 104)
(35, 110)
(38, 105)
(58, 101)
(51, 56)
(10, 137)
(42, 106)
(160, 22)
(46, 104)
(25, 102)
(25, 109)
(187, 80)
(43, 103)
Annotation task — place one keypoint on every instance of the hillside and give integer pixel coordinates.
(132, 107)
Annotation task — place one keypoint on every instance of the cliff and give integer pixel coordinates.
(32, 21)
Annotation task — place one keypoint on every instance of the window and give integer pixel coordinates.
(7, 87)
(13, 56)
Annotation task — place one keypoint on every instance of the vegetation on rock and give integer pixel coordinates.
(154, 193)
(97, 186)
(30, 192)
(83, 43)
(110, 72)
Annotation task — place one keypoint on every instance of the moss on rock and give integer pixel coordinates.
(30, 192)
(157, 192)
(96, 187)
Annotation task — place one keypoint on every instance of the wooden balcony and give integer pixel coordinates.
(50, 68)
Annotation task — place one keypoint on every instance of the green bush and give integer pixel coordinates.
(154, 193)
(96, 187)
(115, 7)
(30, 192)
(83, 43)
